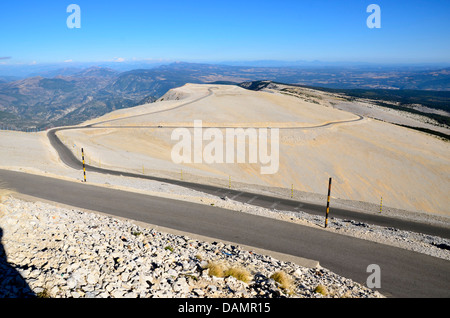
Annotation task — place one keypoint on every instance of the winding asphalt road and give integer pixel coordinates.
(256, 199)
(403, 273)
(245, 197)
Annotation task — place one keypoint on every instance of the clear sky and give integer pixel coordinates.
(197, 30)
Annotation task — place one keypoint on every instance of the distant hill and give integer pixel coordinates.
(62, 100)
(72, 95)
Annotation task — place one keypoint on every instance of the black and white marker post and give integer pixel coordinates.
(328, 203)
(84, 167)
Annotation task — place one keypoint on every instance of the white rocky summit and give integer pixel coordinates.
(49, 251)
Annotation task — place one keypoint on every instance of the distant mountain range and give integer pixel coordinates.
(67, 96)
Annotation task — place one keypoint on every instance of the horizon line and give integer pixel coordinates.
(287, 62)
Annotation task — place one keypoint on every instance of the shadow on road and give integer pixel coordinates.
(12, 284)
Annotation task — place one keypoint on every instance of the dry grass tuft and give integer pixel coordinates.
(321, 290)
(285, 281)
(221, 270)
(216, 269)
(239, 273)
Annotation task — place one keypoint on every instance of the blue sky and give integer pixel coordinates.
(197, 30)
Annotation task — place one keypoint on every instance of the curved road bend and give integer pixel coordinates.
(247, 197)
(265, 201)
(210, 93)
(403, 273)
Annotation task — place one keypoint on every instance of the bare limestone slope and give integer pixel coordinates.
(367, 159)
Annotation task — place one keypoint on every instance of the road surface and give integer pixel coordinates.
(256, 199)
(403, 273)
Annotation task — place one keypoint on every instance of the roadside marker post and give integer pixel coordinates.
(292, 191)
(381, 204)
(229, 182)
(328, 203)
(84, 167)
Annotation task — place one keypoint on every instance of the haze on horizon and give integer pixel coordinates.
(220, 31)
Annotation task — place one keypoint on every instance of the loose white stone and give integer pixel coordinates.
(78, 254)
(71, 283)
